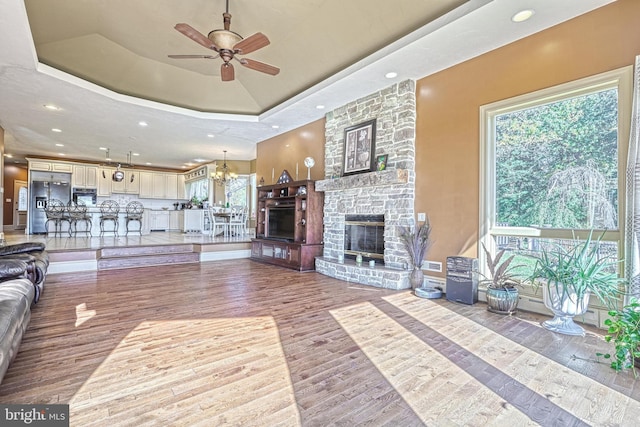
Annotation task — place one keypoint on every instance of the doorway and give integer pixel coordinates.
(20, 198)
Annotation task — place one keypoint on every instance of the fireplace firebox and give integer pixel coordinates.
(364, 235)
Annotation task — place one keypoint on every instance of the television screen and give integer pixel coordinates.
(281, 222)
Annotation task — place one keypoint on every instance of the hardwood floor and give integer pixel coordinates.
(242, 343)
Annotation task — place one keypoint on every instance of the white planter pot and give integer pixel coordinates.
(564, 307)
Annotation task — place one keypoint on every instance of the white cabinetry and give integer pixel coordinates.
(50, 166)
(193, 220)
(159, 220)
(146, 185)
(171, 186)
(176, 220)
(85, 176)
(104, 182)
(129, 185)
(181, 189)
(159, 185)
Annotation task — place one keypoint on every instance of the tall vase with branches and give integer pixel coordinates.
(417, 242)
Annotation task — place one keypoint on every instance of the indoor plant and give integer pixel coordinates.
(623, 330)
(569, 276)
(416, 241)
(502, 292)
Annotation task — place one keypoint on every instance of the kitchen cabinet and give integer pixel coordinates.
(129, 185)
(104, 181)
(171, 186)
(159, 220)
(193, 220)
(85, 176)
(176, 220)
(51, 166)
(181, 189)
(159, 185)
(146, 185)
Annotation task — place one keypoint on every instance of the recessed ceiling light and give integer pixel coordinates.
(275, 127)
(188, 164)
(9, 155)
(56, 130)
(108, 159)
(103, 148)
(51, 107)
(148, 163)
(523, 15)
(143, 124)
(184, 167)
(59, 145)
(198, 160)
(210, 135)
(391, 75)
(61, 154)
(320, 107)
(135, 154)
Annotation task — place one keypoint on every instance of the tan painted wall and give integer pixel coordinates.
(288, 149)
(447, 135)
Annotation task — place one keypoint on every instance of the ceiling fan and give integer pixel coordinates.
(228, 44)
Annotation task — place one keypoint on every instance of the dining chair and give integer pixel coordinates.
(238, 221)
(217, 221)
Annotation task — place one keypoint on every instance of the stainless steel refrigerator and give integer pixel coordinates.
(46, 186)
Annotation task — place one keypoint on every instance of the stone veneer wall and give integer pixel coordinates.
(390, 192)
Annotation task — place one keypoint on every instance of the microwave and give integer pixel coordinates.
(88, 196)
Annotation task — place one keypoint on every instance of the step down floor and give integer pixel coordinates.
(142, 256)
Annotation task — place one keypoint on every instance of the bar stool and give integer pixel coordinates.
(55, 211)
(78, 213)
(134, 213)
(109, 210)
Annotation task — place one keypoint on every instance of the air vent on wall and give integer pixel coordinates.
(432, 266)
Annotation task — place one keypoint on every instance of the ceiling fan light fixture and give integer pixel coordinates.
(224, 39)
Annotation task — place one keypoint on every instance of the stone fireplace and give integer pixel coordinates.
(387, 194)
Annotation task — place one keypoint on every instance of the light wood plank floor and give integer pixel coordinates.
(242, 343)
(66, 243)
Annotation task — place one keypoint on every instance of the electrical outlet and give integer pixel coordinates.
(422, 216)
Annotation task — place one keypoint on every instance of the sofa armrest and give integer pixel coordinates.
(12, 268)
(21, 248)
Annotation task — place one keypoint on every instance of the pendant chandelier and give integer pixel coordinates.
(223, 176)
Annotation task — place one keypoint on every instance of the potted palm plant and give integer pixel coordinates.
(568, 277)
(417, 242)
(502, 284)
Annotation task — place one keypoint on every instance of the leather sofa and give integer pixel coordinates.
(23, 269)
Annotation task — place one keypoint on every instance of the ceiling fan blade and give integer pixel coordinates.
(227, 72)
(193, 56)
(260, 66)
(251, 43)
(195, 35)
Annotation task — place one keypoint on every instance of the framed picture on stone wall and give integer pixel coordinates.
(359, 148)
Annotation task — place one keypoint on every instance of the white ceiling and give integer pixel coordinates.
(121, 47)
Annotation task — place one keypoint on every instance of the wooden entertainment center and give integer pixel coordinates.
(289, 225)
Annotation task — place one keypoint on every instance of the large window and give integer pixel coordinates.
(553, 164)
